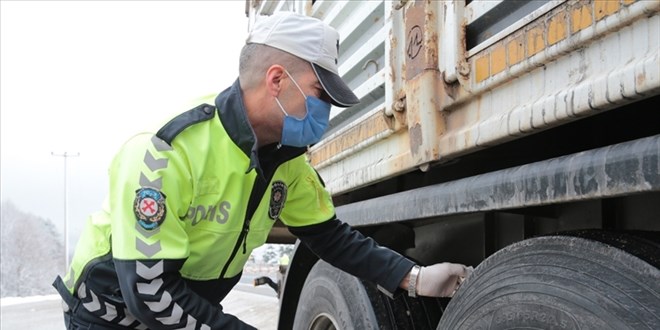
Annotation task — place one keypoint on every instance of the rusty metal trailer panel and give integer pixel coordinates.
(440, 79)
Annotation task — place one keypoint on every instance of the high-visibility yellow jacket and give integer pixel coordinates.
(185, 209)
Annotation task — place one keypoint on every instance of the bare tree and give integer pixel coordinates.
(31, 253)
(275, 251)
(270, 254)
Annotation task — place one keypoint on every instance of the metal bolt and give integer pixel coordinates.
(400, 105)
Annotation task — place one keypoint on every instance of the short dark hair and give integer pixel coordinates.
(255, 59)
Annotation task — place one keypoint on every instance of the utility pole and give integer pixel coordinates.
(65, 156)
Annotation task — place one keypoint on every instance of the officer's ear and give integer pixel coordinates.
(274, 76)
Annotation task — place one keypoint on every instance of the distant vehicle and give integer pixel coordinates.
(283, 263)
(521, 137)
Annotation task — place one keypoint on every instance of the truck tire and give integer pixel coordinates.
(584, 281)
(332, 299)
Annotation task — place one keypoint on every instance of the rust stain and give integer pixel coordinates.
(640, 79)
(464, 53)
(393, 61)
(432, 51)
(401, 117)
(421, 51)
(431, 41)
(416, 139)
(413, 116)
(425, 121)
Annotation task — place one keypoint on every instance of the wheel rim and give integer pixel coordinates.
(323, 321)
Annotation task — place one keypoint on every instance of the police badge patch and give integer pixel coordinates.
(277, 198)
(149, 207)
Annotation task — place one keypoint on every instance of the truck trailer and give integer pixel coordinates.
(519, 137)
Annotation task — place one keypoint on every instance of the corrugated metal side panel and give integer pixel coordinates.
(362, 32)
(363, 144)
(258, 8)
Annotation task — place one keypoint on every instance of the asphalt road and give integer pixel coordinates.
(257, 306)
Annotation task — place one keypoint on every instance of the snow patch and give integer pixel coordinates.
(8, 301)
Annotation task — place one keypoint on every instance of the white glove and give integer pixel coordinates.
(441, 280)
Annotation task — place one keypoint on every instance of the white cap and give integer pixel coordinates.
(309, 39)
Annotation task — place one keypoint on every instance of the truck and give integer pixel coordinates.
(519, 137)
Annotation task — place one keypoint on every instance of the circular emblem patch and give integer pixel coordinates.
(149, 207)
(277, 198)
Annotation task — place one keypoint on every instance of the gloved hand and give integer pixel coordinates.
(441, 280)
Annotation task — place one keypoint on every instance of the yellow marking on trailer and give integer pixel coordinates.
(498, 59)
(548, 30)
(515, 50)
(376, 124)
(581, 18)
(535, 42)
(482, 67)
(604, 8)
(557, 28)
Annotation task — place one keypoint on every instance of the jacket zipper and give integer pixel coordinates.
(241, 238)
(258, 190)
(256, 195)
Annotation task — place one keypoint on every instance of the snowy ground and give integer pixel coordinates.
(10, 301)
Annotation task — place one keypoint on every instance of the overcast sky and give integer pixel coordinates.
(83, 76)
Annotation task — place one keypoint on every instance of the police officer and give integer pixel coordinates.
(188, 204)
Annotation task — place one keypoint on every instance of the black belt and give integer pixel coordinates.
(70, 302)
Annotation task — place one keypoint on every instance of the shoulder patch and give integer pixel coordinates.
(277, 199)
(149, 207)
(198, 114)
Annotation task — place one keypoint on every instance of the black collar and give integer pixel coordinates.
(233, 116)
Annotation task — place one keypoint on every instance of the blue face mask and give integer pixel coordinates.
(308, 130)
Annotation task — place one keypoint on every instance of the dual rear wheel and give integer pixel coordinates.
(582, 280)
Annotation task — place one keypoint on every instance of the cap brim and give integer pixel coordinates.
(340, 94)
